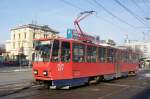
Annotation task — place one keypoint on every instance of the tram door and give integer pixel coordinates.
(118, 63)
(61, 49)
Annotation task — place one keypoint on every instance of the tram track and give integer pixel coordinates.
(13, 88)
(16, 88)
(19, 87)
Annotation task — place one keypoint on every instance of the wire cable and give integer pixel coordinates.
(72, 5)
(130, 12)
(148, 7)
(138, 6)
(104, 19)
(98, 17)
(110, 13)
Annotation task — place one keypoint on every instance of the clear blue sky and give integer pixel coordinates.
(60, 16)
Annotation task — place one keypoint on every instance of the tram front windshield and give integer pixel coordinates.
(42, 51)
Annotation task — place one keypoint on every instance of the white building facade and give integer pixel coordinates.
(21, 40)
(143, 47)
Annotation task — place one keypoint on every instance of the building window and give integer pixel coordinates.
(33, 35)
(19, 45)
(78, 53)
(14, 36)
(25, 35)
(19, 35)
(13, 45)
(45, 35)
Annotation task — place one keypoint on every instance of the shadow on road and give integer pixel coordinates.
(145, 94)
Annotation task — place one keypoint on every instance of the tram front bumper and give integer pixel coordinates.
(41, 74)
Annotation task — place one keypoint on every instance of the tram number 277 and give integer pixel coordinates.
(60, 67)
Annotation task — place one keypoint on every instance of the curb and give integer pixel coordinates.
(16, 70)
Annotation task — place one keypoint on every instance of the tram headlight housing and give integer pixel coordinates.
(36, 72)
(45, 73)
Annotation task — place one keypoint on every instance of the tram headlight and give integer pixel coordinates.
(45, 73)
(35, 72)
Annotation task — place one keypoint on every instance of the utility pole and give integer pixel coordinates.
(144, 36)
(147, 18)
(126, 39)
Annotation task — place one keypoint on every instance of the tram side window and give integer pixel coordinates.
(130, 57)
(91, 54)
(110, 55)
(119, 56)
(102, 54)
(134, 57)
(78, 53)
(127, 56)
(122, 56)
(137, 57)
(132, 60)
(65, 52)
(55, 51)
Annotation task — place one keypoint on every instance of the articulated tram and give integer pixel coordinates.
(67, 62)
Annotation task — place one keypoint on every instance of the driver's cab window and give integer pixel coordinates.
(65, 51)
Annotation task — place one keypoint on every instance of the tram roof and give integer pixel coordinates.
(101, 44)
(66, 39)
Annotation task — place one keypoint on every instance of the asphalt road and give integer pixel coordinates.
(9, 75)
(135, 87)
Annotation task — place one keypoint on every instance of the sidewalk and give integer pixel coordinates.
(4, 69)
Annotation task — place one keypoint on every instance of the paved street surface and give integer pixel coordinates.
(135, 87)
(9, 75)
(14, 79)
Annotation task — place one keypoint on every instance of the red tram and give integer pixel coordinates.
(68, 62)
